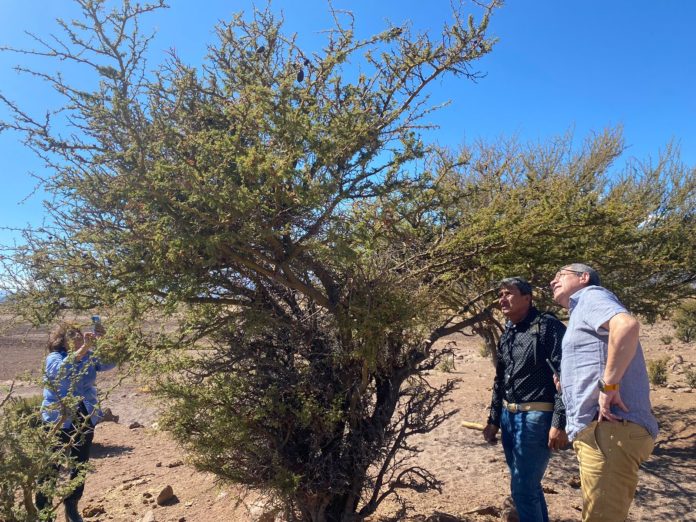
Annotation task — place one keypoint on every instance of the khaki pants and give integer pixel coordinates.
(610, 454)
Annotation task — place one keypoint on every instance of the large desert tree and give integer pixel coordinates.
(238, 201)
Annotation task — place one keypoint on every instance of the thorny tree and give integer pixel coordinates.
(505, 209)
(239, 200)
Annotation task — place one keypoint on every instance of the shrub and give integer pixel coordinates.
(666, 339)
(27, 452)
(657, 371)
(690, 375)
(447, 364)
(685, 321)
(484, 351)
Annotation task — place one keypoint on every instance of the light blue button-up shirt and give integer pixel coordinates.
(65, 376)
(585, 357)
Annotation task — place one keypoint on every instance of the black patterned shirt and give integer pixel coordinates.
(522, 373)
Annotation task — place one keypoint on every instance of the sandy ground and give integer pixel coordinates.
(132, 466)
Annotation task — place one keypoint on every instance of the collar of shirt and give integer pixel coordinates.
(524, 323)
(573, 299)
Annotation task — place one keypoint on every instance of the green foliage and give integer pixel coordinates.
(484, 350)
(28, 452)
(505, 209)
(666, 339)
(447, 365)
(691, 377)
(684, 321)
(657, 371)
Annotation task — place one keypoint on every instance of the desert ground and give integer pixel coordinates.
(134, 461)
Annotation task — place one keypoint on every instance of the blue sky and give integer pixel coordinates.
(558, 66)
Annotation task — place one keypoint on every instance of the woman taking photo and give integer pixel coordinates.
(70, 402)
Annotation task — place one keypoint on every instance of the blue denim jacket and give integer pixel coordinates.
(584, 359)
(63, 377)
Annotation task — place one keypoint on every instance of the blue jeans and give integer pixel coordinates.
(525, 438)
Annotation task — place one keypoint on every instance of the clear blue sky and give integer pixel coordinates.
(558, 66)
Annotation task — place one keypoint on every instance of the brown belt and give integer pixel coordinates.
(527, 406)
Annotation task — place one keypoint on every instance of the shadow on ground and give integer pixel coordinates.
(670, 472)
(103, 451)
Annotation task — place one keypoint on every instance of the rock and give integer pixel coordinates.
(574, 482)
(109, 416)
(189, 503)
(165, 496)
(671, 386)
(93, 510)
(549, 490)
(683, 390)
(135, 425)
(510, 515)
(678, 359)
(175, 464)
(147, 494)
(509, 512)
(149, 517)
(182, 519)
(158, 465)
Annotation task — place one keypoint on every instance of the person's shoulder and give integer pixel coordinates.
(56, 356)
(548, 316)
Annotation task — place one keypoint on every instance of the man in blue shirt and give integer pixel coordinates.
(606, 391)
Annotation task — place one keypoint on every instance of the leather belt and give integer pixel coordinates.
(527, 406)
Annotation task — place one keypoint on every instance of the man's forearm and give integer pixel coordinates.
(623, 343)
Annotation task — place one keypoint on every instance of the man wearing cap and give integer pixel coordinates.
(606, 393)
(526, 405)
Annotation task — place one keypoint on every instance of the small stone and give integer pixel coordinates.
(549, 490)
(175, 464)
(189, 504)
(158, 465)
(108, 416)
(147, 495)
(165, 496)
(678, 359)
(149, 517)
(135, 425)
(93, 510)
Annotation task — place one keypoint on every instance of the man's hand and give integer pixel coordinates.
(557, 383)
(557, 439)
(489, 433)
(606, 400)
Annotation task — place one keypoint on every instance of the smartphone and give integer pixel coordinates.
(555, 372)
(553, 369)
(96, 321)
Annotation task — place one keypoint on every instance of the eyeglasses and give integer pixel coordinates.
(564, 271)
